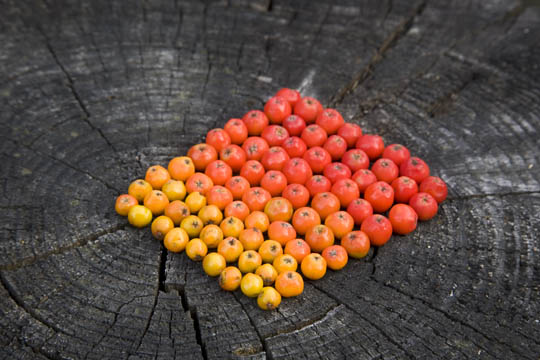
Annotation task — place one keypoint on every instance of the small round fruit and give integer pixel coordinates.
(181, 168)
(249, 261)
(123, 203)
(139, 216)
(156, 176)
(161, 226)
(403, 219)
(253, 172)
(231, 226)
(255, 121)
(378, 228)
(319, 238)
(278, 209)
(275, 135)
(425, 205)
(213, 264)
(294, 146)
(258, 220)
(285, 262)
(336, 257)
(336, 147)
(269, 250)
(230, 248)
(397, 153)
(356, 243)
(281, 231)
(355, 159)
(174, 190)
(234, 156)
(297, 171)
(314, 135)
(199, 182)
(202, 155)
(193, 225)
(139, 189)
(195, 201)
(304, 219)
(255, 147)
(351, 133)
(372, 145)
(251, 238)
(380, 195)
(156, 201)
(404, 188)
(211, 235)
(435, 187)
(256, 198)
(238, 209)
(336, 171)
(330, 120)
(251, 285)
(196, 249)
(230, 278)
(308, 108)
(237, 185)
(210, 214)
(176, 240)
(325, 204)
(291, 95)
(360, 209)
(219, 196)
(275, 158)
(346, 191)
(237, 131)
(289, 284)
(219, 172)
(277, 109)
(317, 158)
(269, 298)
(385, 170)
(318, 184)
(218, 138)
(415, 168)
(274, 182)
(340, 223)
(298, 248)
(268, 273)
(313, 266)
(294, 125)
(363, 178)
(177, 210)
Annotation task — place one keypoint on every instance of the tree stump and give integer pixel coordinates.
(93, 92)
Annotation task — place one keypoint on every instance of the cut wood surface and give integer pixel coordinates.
(94, 92)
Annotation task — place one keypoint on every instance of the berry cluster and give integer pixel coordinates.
(280, 189)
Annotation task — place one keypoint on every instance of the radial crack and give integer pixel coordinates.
(401, 30)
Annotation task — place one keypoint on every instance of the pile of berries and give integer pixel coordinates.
(293, 186)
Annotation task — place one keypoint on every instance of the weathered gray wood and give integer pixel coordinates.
(91, 93)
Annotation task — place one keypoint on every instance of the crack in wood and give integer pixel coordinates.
(401, 30)
(453, 318)
(62, 249)
(372, 323)
(252, 322)
(74, 92)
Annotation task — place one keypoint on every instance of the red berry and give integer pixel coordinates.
(318, 184)
(415, 168)
(355, 159)
(336, 171)
(255, 121)
(291, 95)
(330, 120)
(435, 187)
(294, 125)
(314, 135)
(317, 158)
(363, 179)
(351, 133)
(385, 170)
(297, 171)
(397, 153)
(336, 147)
(404, 188)
(403, 219)
(308, 108)
(275, 135)
(360, 209)
(372, 145)
(425, 205)
(294, 146)
(277, 109)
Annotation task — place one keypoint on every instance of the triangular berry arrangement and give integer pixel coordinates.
(283, 194)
